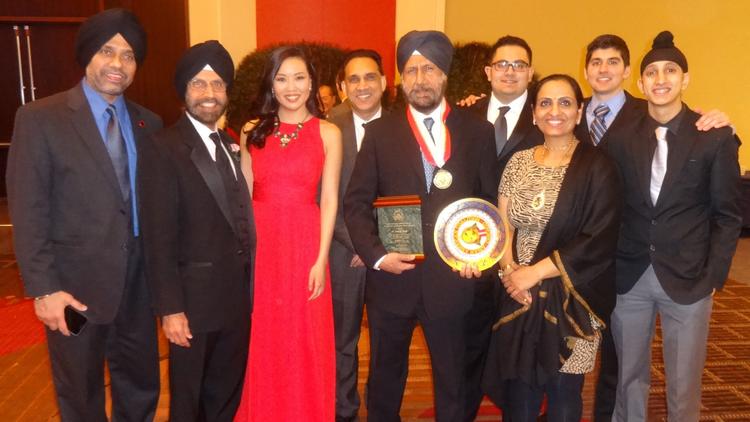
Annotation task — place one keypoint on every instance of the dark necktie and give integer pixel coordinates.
(501, 129)
(118, 152)
(222, 162)
(429, 170)
(598, 127)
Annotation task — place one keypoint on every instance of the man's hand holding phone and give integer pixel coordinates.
(50, 309)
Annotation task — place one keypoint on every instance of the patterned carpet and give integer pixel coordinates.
(26, 393)
(726, 378)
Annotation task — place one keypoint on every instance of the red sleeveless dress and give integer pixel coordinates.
(291, 371)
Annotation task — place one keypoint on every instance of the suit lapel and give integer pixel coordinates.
(628, 115)
(84, 123)
(349, 139)
(411, 150)
(206, 167)
(140, 133)
(644, 146)
(524, 124)
(679, 150)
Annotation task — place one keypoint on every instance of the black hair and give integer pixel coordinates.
(509, 40)
(558, 77)
(362, 53)
(266, 107)
(608, 41)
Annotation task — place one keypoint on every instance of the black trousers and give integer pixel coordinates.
(206, 379)
(606, 385)
(457, 347)
(128, 344)
(564, 403)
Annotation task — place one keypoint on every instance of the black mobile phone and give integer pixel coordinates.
(75, 320)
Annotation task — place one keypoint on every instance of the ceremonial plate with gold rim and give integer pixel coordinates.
(470, 230)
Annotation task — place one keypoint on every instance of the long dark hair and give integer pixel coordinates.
(266, 107)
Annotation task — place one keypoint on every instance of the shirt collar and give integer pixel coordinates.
(203, 130)
(99, 105)
(360, 121)
(437, 114)
(516, 104)
(615, 103)
(674, 123)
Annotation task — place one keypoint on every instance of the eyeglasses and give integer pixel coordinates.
(503, 65)
(202, 86)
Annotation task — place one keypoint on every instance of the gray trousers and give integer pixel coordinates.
(684, 334)
(348, 293)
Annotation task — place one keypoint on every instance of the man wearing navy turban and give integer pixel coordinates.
(440, 155)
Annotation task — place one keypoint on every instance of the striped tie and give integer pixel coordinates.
(598, 127)
(429, 170)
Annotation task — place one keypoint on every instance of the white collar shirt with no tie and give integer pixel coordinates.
(204, 132)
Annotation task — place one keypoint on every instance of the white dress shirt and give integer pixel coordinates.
(359, 129)
(204, 132)
(512, 116)
(439, 131)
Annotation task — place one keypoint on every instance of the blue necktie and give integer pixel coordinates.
(118, 153)
(429, 170)
(598, 127)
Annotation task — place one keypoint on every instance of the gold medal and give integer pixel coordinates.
(443, 179)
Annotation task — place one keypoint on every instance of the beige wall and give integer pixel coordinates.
(713, 35)
(232, 22)
(418, 15)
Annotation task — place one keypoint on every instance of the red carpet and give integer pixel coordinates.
(19, 327)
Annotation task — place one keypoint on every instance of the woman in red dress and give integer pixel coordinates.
(287, 154)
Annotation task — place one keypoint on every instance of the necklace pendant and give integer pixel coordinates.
(537, 202)
(285, 139)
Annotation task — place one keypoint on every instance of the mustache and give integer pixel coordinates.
(115, 71)
(208, 99)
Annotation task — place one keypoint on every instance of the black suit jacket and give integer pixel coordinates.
(71, 227)
(195, 261)
(388, 164)
(524, 136)
(630, 114)
(690, 235)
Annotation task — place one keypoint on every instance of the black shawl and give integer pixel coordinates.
(530, 342)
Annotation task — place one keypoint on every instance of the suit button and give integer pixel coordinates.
(653, 222)
(124, 247)
(122, 212)
(240, 251)
(652, 248)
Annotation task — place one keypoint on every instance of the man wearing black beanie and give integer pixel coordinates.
(680, 222)
(200, 242)
(74, 204)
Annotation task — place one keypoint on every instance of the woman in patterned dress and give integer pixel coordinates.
(563, 204)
